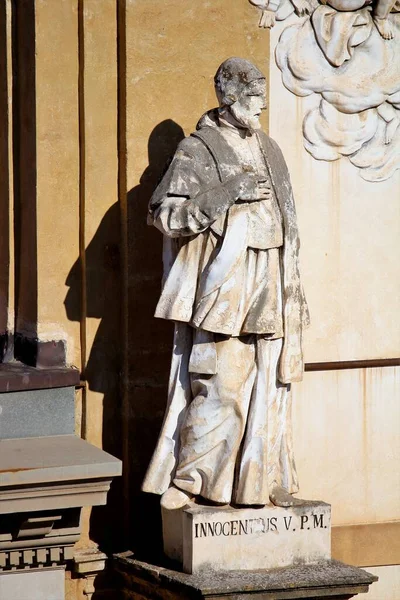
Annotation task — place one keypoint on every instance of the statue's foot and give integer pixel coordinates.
(280, 497)
(384, 27)
(207, 502)
(175, 498)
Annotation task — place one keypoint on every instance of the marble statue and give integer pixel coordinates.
(232, 287)
(345, 55)
(279, 10)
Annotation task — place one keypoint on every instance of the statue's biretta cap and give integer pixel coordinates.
(233, 76)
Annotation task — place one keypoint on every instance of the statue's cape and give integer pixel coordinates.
(339, 33)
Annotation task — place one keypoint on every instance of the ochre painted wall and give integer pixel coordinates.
(57, 166)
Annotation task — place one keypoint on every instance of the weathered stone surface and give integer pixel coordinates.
(15, 377)
(327, 579)
(226, 538)
(89, 560)
(232, 286)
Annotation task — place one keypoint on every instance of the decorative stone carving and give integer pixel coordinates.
(35, 558)
(47, 475)
(88, 563)
(346, 51)
(279, 10)
(232, 287)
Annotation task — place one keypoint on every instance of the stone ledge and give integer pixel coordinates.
(53, 472)
(327, 579)
(16, 376)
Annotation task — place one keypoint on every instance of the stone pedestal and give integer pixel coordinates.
(325, 579)
(47, 474)
(201, 537)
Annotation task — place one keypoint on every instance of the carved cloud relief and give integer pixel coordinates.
(350, 56)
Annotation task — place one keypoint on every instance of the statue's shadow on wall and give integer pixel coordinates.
(149, 350)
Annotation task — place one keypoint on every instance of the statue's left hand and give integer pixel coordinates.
(290, 365)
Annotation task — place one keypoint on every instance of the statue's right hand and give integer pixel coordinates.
(257, 190)
(264, 190)
(248, 188)
(243, 187)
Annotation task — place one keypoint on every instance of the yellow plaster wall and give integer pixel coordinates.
(101, 238)
(173, 51)
(57, 155)
(101, 222)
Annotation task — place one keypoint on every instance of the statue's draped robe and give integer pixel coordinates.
(232, 286)
(339, 29)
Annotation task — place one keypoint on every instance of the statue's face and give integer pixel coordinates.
(250, 104)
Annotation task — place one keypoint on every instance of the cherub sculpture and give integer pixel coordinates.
(380, 11)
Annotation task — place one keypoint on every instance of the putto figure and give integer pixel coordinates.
(232, 287)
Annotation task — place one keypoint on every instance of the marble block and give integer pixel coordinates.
(37, 413)
(226, 538)
(47, 584)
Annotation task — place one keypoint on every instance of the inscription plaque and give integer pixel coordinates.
(226, 538)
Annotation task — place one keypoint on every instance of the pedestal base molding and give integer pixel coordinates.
(326, 579)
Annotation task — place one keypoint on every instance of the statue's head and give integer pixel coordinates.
(241, 89)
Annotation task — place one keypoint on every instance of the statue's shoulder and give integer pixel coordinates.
(191, 147)
(195, 152)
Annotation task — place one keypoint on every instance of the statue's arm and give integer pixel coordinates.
(190, 196)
